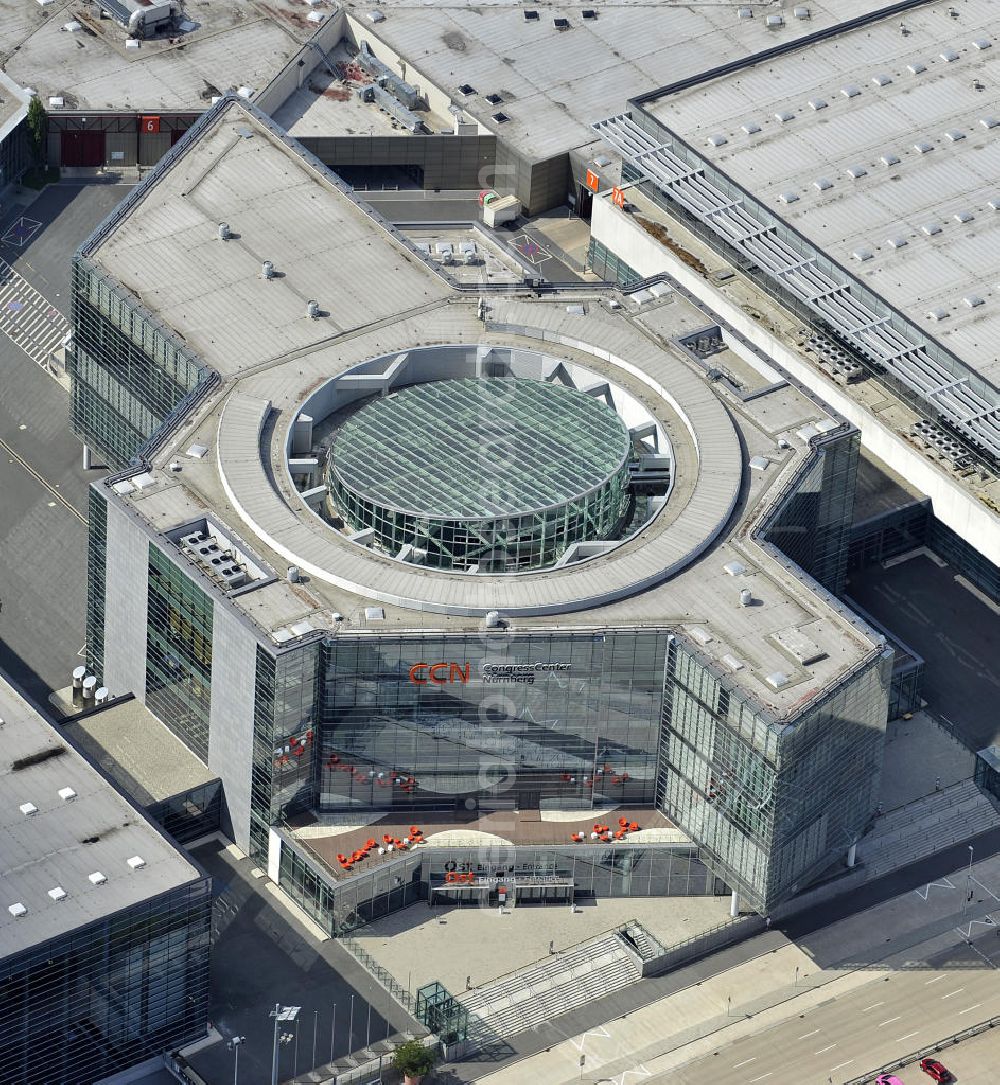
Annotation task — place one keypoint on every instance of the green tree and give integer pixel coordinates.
(412, 1059)
(36, 129)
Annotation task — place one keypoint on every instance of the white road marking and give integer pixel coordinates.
(872, 1006)
(950, 993)
(890, 1021)
(985, 889)
(737, 1065)
(808, 1034)
(761, 1078)
(944, 883)
(906, 1037)
(937, 979)
(970, 1009)
(841, 1065)
(829, 1047)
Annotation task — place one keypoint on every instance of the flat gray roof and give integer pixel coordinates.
(238, 43)
(66, 830)
(138, 752)
(13, 105)
(163, 245)
(883, 149)
(552, 82)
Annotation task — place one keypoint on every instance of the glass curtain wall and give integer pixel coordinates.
(771, 805)
(179, 652)
(97, 568)
(128, 372)
(508, 721)
(86, 1005)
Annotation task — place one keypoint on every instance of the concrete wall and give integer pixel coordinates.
(231, 720)
(230, 734)
(126, 607)
(294, 74)
(953, 505)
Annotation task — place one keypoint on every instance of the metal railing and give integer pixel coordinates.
(930, 1049)
(381, 976)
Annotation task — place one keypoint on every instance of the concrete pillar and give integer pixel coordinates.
(734, 904)
(302, 435)
(87, 458)
(852, 854)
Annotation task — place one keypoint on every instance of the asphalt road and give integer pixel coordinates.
(864, 1028)
(954, 630)
(43, 532)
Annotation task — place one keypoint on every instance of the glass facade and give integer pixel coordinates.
(100, 999)
(179, 652)
(129, 374)
(97, 569)
(525, 874)
(190, 815)
(812, 525)
(498, 474)
(283, 773)
(771, 804)
(503, 722)
(603, 262)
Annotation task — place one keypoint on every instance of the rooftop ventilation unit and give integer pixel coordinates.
(494, 99)
(850, 91)
(854, 172)
(973, 301)
(467, 88)
(530, 16)
(561, 24)
(801, 12)
(821, 184)
(937, 314)
(931, 229)
(896, 242)
(889, 159)
(717, 140)
(774, 22)
(750, 127)
(994, 203)
(58, 893)
(29, 809)
(963, 216)
(97, 878)
(588, 13)
(955, 134)
(374, 614)
(267, 270)
(735, 568)
(862, 254)
(136, 862)
(982, 43)
(817, 103)
(989, 122)
(17, 910)
(501, 118)
(701, 635)
(746, 597)
(948, 55)
(744, 13)
(312, 309)
(881, 80)
(777, 680)
(789, 197)
(923, 147)
(224, 231)
(67, 794)
(915, 67)
(784, 116)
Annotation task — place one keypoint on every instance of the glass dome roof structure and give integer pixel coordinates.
(497, 473)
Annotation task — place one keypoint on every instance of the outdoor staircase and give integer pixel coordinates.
(533, 995)
(926, 826)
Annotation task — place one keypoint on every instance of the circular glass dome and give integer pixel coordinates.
(495, 475)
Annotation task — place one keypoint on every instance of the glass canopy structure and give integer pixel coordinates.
(490, 475)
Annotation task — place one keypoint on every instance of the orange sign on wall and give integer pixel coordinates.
(618, 196)
(150, 125)
(439, 673)
(593, 181)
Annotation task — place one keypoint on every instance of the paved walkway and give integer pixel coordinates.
(451, 945)
(872, 985)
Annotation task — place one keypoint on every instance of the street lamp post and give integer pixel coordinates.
(234, 1046)
(280, 1013)
(333, 1030)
